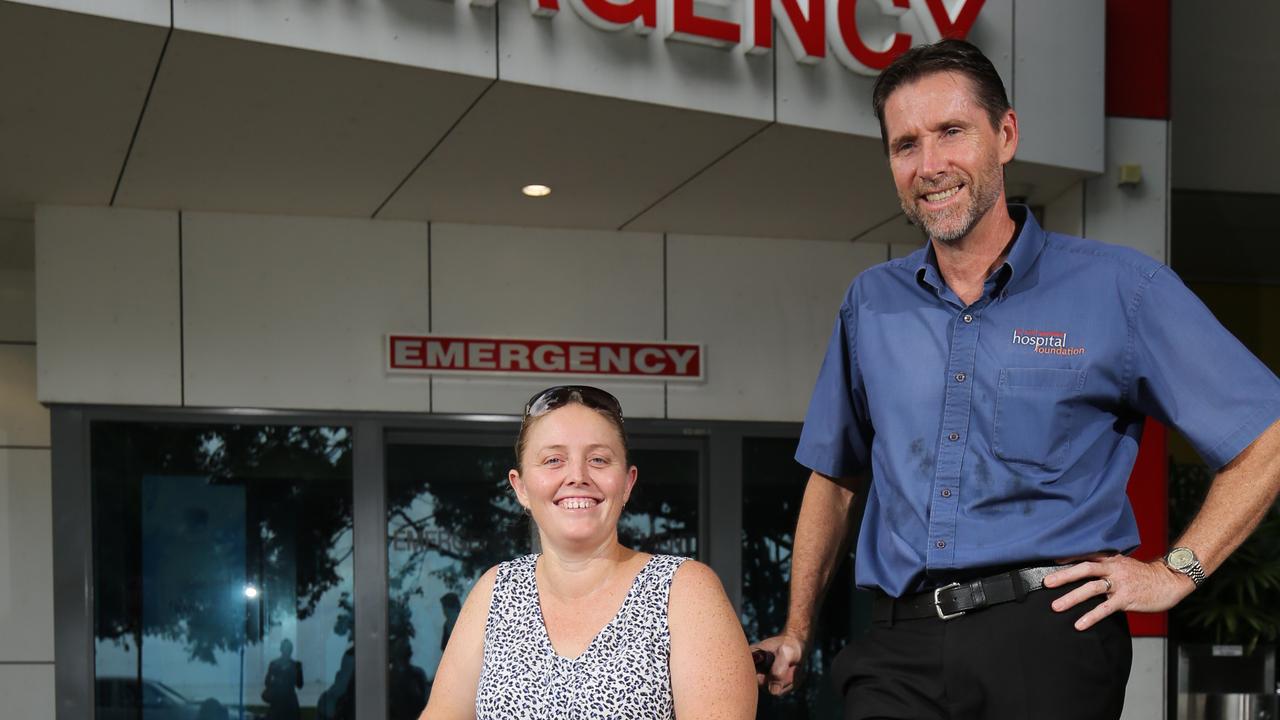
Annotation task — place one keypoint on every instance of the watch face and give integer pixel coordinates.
(1181, 557)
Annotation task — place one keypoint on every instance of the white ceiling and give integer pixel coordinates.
(232, 125)
(606, 160)
(71, 87)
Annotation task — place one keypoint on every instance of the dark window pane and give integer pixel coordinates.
(773, 486)
(662, 514)
(451, 515)
(222, 571)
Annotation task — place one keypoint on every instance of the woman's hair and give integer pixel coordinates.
(557, 397)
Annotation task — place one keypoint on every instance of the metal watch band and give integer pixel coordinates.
(1195, 572)
(1191, 569)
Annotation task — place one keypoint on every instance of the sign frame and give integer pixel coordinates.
(697, 358)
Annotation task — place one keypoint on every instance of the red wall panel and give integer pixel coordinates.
(1138, 58)
(1149, 495)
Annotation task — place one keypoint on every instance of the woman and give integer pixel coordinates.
(284, 674)
(590, 629)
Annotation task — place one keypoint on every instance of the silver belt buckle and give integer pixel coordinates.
(937, 604)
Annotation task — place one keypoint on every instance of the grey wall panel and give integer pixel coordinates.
(148, 12)
(765, 309)
(544, 283)
(288, 312)
(450, 35)
(1144, 696)
(26, 557)
(23, 420)
(1134, 216)
(1059, 82)
(564, 51)
(17, 281)
(107, 306)
(27, 690)
(1065, 214)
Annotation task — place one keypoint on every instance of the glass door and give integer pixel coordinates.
(451, 514)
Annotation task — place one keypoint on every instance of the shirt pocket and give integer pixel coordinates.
(1033, 420)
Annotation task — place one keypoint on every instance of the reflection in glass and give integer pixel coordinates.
(662, 514)
(222, 570)
(451, 515)
(773, 486)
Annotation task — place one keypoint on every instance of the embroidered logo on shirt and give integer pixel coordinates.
(1045, 342)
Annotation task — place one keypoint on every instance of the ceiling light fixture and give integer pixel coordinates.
(536, 190)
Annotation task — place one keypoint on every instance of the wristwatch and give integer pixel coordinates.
(1184, 560)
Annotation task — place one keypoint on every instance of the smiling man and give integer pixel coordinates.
(988, 393)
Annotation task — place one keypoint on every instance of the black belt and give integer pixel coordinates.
(956, 599)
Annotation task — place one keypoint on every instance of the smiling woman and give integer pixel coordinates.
(590, 628)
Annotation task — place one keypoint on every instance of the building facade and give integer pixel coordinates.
(215, 215)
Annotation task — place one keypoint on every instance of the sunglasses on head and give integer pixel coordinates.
(560, 395)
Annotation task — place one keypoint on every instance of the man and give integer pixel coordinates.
(989, 391)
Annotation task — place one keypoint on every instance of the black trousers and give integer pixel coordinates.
(1017, 660)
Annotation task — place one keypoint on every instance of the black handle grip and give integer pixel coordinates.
(763, 660)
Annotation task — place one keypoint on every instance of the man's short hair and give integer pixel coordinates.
(947, 55)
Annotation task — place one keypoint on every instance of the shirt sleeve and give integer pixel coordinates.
(836, 438)
(1187, 370)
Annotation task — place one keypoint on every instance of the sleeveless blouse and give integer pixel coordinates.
(623, 673)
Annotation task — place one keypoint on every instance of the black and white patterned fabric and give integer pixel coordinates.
(623, 673)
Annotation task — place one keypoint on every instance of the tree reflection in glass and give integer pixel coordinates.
(451, 515)
(773, 486)
(662, 514)
(216, 547)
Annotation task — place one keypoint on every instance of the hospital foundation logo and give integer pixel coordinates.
(1045, 342)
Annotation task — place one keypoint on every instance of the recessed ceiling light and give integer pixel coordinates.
(536, 190)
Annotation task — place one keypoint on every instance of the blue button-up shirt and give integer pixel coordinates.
(1004, 431)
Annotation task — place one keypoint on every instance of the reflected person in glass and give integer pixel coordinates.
(284, 674)
(589, 628)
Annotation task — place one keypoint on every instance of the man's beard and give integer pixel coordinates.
(952, 224)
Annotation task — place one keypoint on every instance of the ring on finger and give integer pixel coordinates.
(1108, 582)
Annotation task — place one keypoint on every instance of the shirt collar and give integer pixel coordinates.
(1027, 248)
(1017, 265)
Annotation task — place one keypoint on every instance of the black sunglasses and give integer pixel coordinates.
(560, 395)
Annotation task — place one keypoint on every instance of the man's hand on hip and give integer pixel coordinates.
(786, 671)
(1128, 584)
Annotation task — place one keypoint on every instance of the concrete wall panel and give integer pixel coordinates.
(765, 309)
(1144, 696)
(1134, 216)
(23, 420)
(27, 690)
(564, 51)
(107, 306)
(898, 250)
(26, 557)
(17, 281)
(452, 35)
(285, 312)
(1065, 214)
(148, 12)
(1059, 82)
(544, 284)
